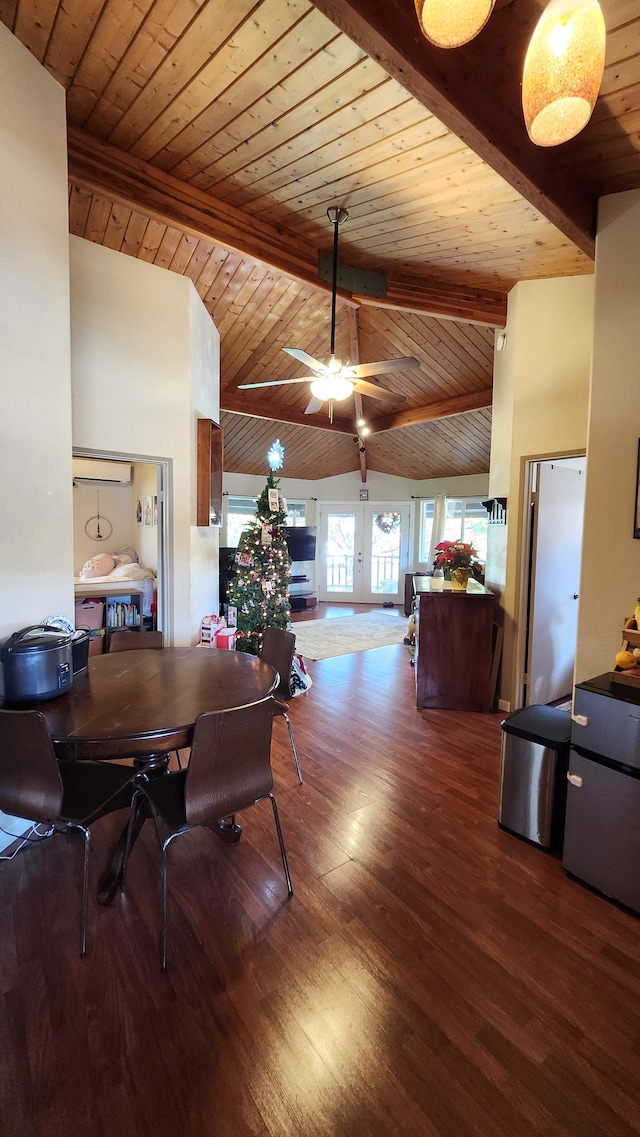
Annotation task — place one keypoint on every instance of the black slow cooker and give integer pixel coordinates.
(36, 664)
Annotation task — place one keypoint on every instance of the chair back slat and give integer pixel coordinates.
(30, 782)
(278, 648)
(134, 641)
(229, 767)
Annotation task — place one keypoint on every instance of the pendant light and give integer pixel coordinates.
(450, 23)
(563, 70)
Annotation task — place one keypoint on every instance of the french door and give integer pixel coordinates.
(363, 552)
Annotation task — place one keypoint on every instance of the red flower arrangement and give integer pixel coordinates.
(455, 555)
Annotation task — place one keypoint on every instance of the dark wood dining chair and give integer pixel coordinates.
(277, 649)
(61, 796)
(229, 770)
(134, 641)
(138, 641)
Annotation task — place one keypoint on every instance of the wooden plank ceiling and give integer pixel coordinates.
(210, 138)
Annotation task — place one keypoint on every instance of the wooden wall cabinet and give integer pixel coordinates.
(454, 648)
(210, 455)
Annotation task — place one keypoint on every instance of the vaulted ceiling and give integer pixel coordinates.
(210, 138)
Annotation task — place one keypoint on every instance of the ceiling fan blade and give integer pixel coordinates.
(313, 406)
(404, 363)
(275, 383)
(361, 387)
(304, 357)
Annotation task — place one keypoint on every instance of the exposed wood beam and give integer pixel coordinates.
(474, 401)
(446, 301)
(103, 169)
(354, 356)
(458, 94)
(460, 404)
(255, 408)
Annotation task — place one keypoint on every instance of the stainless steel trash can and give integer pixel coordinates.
(533, 774)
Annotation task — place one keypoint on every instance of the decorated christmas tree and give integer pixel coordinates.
(260, 585)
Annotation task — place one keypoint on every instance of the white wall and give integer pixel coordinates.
(610, 581)
(540, 409)
(145, 358)
(36, 569)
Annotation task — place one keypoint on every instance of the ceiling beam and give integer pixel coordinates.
(256, 408)
(446, 301)
(103, 169)
(460, 404)
(453, 87)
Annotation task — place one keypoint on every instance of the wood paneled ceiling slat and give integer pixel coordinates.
(309, 93)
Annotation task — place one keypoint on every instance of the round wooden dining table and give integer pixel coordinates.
(143, 704)
(134, 704)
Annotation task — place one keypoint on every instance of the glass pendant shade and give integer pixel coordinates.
(450, 23)
(331, 388)
(563, 70)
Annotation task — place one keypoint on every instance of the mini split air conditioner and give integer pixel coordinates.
(101, 472)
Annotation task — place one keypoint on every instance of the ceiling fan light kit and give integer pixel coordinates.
(450, 23)
(563, 70)
(334, 381)
(331, 388)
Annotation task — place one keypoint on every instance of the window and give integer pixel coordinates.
(241, 511)
(426, 531)
(296, 513)
(466, 520)
(452, 519)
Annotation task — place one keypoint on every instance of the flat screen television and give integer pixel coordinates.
(301, 542)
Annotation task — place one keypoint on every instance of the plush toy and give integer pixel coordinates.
(101, 565)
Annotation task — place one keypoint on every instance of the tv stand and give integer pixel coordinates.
(302, 600)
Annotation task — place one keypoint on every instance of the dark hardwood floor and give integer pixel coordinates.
(432, 976)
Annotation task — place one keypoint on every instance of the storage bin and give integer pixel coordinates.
(533, 774)
(96, 642)
(89, 613)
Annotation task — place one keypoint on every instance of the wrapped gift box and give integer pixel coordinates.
(226, 639)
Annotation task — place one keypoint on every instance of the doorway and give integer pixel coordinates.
(553, 526)
(137, 516)
(363, 552)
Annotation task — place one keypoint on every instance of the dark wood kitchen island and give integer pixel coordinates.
(454, 643)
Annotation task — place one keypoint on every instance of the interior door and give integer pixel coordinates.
(363, 552)
(554, 584)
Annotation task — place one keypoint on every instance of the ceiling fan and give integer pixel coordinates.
(335, 380)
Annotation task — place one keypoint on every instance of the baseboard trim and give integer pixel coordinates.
(504, 705)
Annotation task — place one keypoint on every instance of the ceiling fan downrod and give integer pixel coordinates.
(336, 216)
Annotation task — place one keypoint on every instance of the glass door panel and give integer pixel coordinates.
(363, 552)
(339, 540)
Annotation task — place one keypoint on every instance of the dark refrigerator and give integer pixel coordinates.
(602, 824)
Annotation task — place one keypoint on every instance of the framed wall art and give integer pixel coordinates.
(636, 518)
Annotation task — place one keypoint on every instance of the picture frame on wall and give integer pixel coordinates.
(148, 511)
(155, 509)
(139, 517)
(636, 519)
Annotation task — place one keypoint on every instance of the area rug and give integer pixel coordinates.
(342, 635)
